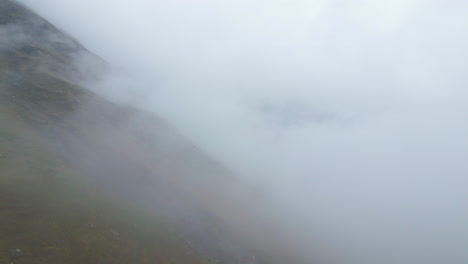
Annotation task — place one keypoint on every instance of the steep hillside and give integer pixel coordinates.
(55, 214)
(83, 180)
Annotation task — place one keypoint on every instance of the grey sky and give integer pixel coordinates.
(353, 114)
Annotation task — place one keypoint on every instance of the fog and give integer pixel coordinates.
(350, 116)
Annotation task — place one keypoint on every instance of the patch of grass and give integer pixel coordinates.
(56, 214)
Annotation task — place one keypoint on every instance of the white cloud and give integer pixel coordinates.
(353, 113)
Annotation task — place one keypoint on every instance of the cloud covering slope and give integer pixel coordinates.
(351, 115)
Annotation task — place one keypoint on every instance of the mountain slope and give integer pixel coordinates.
(83, 180)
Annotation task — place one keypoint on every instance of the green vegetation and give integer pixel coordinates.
(74, 174)
(52, 211)
(55, 214)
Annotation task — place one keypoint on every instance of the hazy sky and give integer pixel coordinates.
(352, 113)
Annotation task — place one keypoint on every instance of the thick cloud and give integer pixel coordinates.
(351, 114)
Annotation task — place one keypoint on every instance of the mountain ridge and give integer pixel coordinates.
(70, 159)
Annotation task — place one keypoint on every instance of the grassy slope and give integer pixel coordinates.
(51, 210)
(72, 167)
(57, 215)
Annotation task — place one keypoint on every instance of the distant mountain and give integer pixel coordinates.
(84, 180)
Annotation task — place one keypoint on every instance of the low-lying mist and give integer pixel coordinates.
(350, 118)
